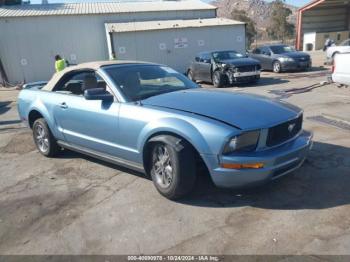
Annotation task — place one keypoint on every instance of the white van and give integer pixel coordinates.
(341, 69)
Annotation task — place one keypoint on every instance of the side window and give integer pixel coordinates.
(77, 83)
(205, 58)
(257, 51)
(265, 51)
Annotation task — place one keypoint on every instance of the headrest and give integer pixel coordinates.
(74, 88)
(90, 81)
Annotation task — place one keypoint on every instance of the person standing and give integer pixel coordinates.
(60, 63)
(328, 43)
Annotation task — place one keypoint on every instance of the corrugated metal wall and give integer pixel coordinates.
(28, 44)
(326, 20)
(149, 45)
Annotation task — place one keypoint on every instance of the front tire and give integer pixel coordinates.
(173, 169)
(277, 67)
(219, 79)
(43, 139)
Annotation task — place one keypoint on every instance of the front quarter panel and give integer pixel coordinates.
(139, 123)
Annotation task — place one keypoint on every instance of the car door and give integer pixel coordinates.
(195, 67)
(266, 58)
(257, 54)
(205, 67)
(92, 124)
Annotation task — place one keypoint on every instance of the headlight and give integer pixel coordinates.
(243, 143)
(286, 59)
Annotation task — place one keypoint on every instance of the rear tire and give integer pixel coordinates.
(219, 79)
(173, 169)
(43, 138)
(190, 76)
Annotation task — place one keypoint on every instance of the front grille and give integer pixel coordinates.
(283, 132)
(244, 69)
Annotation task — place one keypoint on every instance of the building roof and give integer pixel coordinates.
(324, 4)
(169, 24)
(101, 8)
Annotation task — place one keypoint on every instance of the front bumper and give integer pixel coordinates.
(287, 66)
(243, 77)
(277, 161)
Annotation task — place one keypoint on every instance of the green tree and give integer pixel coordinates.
(241, 15)
(280, 28)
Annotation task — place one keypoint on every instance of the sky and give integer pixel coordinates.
(293, 2)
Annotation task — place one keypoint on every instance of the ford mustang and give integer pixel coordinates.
(149, 118)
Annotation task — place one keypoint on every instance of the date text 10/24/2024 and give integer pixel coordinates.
(174, 258)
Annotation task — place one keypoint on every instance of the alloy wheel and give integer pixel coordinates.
(276, 67)
(163, 168)
(190, 76)
(42, 138)
(216, 79)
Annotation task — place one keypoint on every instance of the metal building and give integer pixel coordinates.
(31, 35)
(322, 19)
(174, 42)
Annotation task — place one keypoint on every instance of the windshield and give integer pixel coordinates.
(138, 82)
(226, 55)
(281, 49)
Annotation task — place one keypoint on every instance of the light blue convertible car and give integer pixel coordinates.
(152, 119)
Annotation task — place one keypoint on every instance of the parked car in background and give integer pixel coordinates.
(279, 58)
(155, 120)
(344, 47)
(341, 69)
(224, 68)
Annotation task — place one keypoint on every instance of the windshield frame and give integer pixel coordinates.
(227, 51)
(122, 97)
(281, 46)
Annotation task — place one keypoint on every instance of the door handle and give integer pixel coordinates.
(63, 105)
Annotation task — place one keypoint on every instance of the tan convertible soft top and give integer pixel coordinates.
(90, 65)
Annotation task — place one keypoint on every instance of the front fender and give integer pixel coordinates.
(175, 126)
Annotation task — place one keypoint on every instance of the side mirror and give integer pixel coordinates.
(197, 59)
(98, 94)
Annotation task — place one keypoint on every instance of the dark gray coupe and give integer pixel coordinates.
(280, 58)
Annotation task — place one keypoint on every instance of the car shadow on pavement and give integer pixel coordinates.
(264, 81)
(68, 154)
(323, 182)
(5, 106)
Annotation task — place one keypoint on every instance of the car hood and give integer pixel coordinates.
(294, 55)
(243, 111)
(246, 61)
